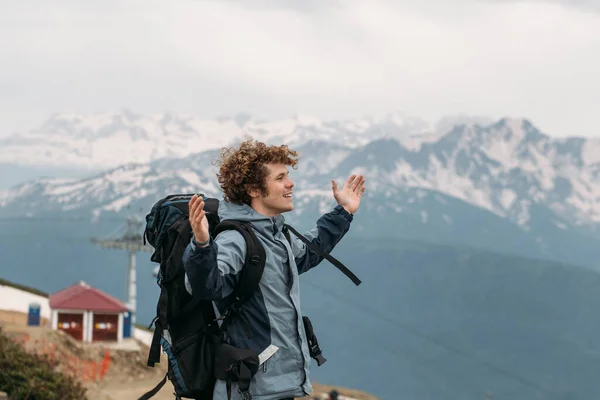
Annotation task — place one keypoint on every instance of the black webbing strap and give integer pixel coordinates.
(153, 392)
(329, 258)
(154, 353)
(313, 342)
(243, 375)
(244, 378)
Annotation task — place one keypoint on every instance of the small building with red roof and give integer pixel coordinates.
(87, 313)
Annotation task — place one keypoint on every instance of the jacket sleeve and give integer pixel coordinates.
(330, 229)
(212, 272)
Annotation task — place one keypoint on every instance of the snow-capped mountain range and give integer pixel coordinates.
(498, 184)
(111, 139)
(501, 185)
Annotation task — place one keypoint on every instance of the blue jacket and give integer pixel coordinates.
(273, 313)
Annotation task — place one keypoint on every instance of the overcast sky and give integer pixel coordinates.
(329, 59)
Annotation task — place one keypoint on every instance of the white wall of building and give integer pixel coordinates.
(143, 336)
(12, 299)
(18, 300)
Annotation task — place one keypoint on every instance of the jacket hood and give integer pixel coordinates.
(243, 212)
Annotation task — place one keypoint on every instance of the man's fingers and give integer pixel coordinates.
(199, 212)
(192, 203)
(197, 222)
(350, 179)
(357, 182)
(195, 205)
(358, 187)
(198, 206)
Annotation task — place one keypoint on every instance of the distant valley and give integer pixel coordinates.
(477, 244)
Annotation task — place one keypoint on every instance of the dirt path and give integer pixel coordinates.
(136, 389)
(129, 391)
(127, 377)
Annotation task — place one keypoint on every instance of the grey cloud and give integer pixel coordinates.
(304, 6)
(428, 59)
(584, 5)
(315, 5)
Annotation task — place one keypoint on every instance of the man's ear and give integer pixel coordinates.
(253, 192)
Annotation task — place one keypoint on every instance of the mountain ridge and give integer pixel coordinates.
(534, 192)
(489, 166)
(105, 140)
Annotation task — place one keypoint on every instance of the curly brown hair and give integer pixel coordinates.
(243, 168)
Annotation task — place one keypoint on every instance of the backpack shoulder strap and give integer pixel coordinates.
(254, 264)
(251, 273)
(326, 256)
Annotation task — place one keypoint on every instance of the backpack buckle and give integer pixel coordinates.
(245, 395)
(255, 259)
(315, 350)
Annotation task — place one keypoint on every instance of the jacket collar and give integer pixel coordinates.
(268, 226)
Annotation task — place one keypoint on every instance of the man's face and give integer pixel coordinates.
(279, 192)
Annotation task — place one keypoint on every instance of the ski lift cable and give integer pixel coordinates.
(429, 338)
(55, 219)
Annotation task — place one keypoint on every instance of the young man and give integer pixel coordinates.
(257, 188)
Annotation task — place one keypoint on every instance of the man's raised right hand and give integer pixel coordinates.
(198, 220)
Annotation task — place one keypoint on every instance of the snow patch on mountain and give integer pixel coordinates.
(507, 198)
(504, 150)
(561, 225)
(118, 204)
(415, 142)
(190, 177)
(508, 168)
(65, 188)
(108, 140)
(4, 196)
(591, 152)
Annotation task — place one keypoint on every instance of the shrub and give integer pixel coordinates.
(30, 376)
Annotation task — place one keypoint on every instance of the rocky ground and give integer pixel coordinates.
(126, 375)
